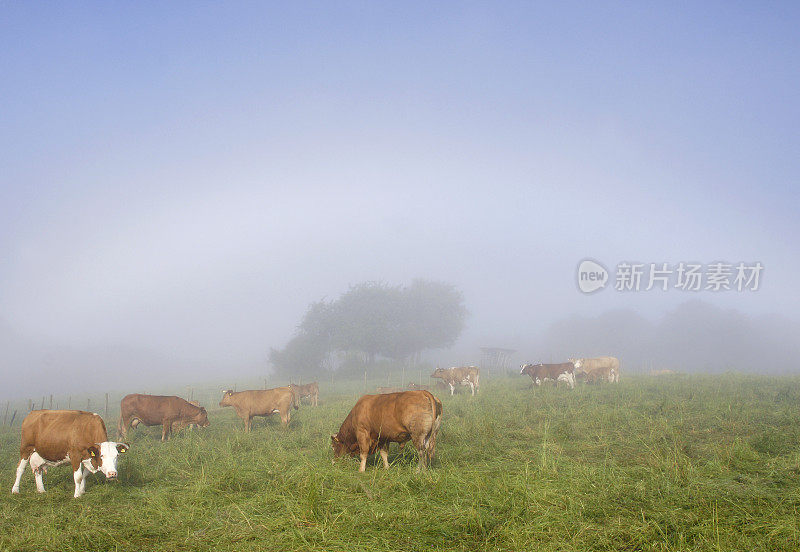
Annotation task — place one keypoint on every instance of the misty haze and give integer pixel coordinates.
(198, 198)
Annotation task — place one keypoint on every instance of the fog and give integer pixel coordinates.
(179, 183)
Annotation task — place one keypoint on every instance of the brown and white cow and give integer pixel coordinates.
(261, 402)
(540, 373)
(464, 375)
(377, 420)
(54, 437)
(586, 365)
(166, 411)
(310, 390)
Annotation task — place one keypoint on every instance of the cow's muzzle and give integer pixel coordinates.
(112, 476)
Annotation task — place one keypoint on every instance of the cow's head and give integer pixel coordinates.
(525, 369)
(103, 457)
(439, 373)
(577, 362)
(226, 398)
(339, 448)
(201, 418)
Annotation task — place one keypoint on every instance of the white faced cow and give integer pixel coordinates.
(54, 437)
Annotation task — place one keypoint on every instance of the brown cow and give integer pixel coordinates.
(377, 420)
(160, 410)
(176, 426)
(53, 437)
(310, 390)
(259, 402)
(540, 373)
(601, 374)
(465, 375)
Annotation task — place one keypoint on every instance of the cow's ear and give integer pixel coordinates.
(122, 448)
(94, 451)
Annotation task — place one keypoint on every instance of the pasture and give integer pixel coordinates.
(673, 463)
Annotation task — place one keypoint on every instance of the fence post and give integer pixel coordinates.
(30, 405)
(365, 380)
(88, 405)
(69, 402)
(106, 405)
(42, 407)
(5, 417)
(12, 418)
(51, 402)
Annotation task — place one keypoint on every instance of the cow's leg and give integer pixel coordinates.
(452, 388)
(20, 470)
(85, 473)
(37, 467)
(363, 449)
(472, 387)
(285, 417)
(166, 429)
(80, 481)
(385, 455)
(247, 422)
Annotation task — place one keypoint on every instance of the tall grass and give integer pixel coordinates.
(677, 463)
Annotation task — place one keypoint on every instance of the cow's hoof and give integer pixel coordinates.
(15, 491)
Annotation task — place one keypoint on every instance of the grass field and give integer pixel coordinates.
(676, 463)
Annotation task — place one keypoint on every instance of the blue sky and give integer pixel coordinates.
(186, 178)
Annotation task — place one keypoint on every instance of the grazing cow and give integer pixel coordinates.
(377, 420)
(465, 375)
(601, 374)
(259, 402)
(166, 411)
(586, 365)
(53, 437)
(385, 390)
(418, 387)
(310, 390)
(664, 372)
(540, 373)
(176, 426)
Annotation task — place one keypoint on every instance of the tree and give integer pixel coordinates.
(375, 319)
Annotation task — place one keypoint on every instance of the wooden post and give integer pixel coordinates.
(30, 405)
(12, 418)
(365, 380)
(51, 402)
(88, 405)
(69, 402)
(191, 395)
(5, 417)
(106, 405)
(42, 407)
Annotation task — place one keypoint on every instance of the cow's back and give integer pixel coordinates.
(52, 433)
(152, 409)
(260, 402)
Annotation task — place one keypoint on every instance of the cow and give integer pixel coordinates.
(664, 372)
(586, 365)
(166, 411)
(54, 437)
(601, 374)
(465, 375)
(377, 420)
(176, 426)
(540, 373)
(385, 390)
(418, 387)
(259, 402)
(310, 390)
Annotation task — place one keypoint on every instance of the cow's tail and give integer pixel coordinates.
(429, 443)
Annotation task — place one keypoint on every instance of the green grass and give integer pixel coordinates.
(677, 463)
